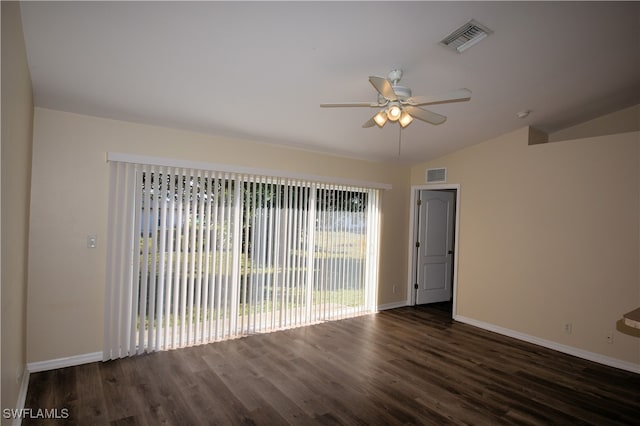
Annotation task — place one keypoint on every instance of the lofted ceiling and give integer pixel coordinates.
(260, 70)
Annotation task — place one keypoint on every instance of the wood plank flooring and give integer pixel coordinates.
(402, 366)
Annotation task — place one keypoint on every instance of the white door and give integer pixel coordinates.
(435, 246)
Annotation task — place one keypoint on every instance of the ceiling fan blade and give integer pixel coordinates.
(424, 115)
(383, 87)
(459, 95)
(351, 104)
(369, 123)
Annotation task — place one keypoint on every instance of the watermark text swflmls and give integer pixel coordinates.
(35, 413)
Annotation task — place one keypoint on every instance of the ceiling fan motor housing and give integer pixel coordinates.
(401, 91)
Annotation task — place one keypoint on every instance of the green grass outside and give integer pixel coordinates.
(329, 246)
(349, 298)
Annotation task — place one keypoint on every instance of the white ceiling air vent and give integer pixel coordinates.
(466, 36)
(436, 175)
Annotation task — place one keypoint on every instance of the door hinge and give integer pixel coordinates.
(419, 202)
(417, 244)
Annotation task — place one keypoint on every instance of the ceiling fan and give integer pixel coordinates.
(397, 104)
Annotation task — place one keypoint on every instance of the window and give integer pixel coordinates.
(196, 256)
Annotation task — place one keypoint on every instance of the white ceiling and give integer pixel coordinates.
(260, 70)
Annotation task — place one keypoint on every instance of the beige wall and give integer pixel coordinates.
(622, 121)
(69, 202)
(549, 234)
(17, 119)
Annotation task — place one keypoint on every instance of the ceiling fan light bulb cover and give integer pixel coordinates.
(380, 118)
(394, 112)
(405, 119)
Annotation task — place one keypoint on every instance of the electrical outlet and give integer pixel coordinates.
(568, 327)
(610, 337)
(395, 288)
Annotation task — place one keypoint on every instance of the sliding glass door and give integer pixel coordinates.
(198, 256)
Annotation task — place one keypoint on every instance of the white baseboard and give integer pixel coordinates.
(22, 396)
(580, 353)
(392, 305)
(70, 361)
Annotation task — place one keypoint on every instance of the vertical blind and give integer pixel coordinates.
(196, 256)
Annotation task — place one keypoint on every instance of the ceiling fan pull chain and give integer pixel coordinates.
(399, 140)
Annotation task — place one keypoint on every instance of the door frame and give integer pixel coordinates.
(415, 190)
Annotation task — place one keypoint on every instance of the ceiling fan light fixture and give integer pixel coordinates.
(380, 118)
(405, 119)
(394, 112)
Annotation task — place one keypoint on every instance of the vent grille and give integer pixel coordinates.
(436, 175)
(466, 36)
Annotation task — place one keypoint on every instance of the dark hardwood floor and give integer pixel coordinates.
(402, 366)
